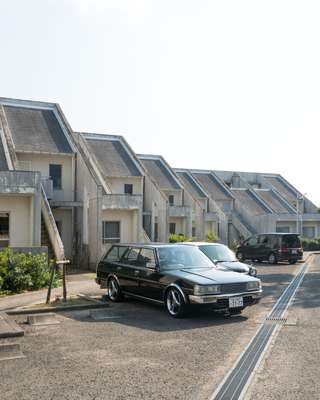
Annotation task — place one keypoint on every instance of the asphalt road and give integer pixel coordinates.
(137, 352)
(291, 368)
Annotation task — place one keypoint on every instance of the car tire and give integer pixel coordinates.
(240, 256)
(272, 259)
(175, 303)
(293, 262)
(114, 290)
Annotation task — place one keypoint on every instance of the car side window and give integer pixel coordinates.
(147, 259)
(264, 240)
(115, 254)
(131, 257)
(253, 241)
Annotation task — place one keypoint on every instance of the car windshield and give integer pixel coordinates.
(218, 253)
(178, 257)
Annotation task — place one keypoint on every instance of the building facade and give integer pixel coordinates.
(77, 193)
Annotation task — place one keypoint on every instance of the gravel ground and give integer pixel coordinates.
(292, 366)
(137, 353)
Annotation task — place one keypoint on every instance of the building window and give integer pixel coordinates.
(193, 231)
(171, 199)
(283, 229)
(55, 173)
(4, 229)
(156, 231)
(110, 232)
(128, 188)
(309, 232)
(172, 228)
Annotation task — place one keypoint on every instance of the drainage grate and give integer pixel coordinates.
(234, 386)
(275, 320)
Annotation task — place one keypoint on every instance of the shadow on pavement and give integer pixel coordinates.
(151, 317)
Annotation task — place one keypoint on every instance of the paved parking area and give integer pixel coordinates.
(136, 352)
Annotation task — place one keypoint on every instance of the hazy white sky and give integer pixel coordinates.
(231, 85)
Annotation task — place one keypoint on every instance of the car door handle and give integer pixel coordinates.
(136, 272)
(119, 268)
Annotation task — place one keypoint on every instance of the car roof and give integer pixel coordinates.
(151, 245)
(202, 244)
(278, 233)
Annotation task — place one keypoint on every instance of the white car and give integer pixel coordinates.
(223, 258)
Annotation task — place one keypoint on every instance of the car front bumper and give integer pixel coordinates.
(248, 297)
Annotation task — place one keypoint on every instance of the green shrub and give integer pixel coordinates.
(179, 238)
(20, 272)
(212, 237)
(310, 244)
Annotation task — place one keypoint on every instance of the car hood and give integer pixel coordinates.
(207, 276)
(234, 266)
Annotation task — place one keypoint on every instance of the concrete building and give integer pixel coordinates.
(283, 208)
(77, 193)
(38, 161)
(177, 212)
(110, 187)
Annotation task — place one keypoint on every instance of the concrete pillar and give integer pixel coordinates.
(36, 214)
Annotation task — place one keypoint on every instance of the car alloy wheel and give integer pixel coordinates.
(272, 259)
(114, 290)
(175, 303)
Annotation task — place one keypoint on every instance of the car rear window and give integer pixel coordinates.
(291, 241)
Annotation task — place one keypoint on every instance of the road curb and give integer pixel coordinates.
(56, 309)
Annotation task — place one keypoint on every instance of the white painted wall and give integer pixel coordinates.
(20, 220)
(117, 184)
(40, 162)
(64, 215)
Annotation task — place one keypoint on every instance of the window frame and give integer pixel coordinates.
(126, 186)
(108, 240)
(58, 187)
(7, 241)
(171, 199)
(175, 226)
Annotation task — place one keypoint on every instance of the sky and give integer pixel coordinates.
(225, 85)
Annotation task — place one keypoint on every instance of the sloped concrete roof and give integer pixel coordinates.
(210, 186)
(36, 130)
(160, 173)
(282, 189)
(272, 201)
(252, 204)
(190, 185)
(113, 157)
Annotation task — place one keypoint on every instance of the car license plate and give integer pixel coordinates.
(294, 252)
(235, 302)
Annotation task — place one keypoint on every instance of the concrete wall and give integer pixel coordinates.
(40, 162)
(20, 219)
(156, 203)
(117, 184)
(177, 196)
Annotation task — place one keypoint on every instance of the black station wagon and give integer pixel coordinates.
(176, 276)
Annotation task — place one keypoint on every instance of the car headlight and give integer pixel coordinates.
(206, 289)
(254, 285)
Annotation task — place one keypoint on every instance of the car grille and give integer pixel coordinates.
(234, 287)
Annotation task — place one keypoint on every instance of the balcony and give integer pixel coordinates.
(179, 211)
(122, 201)
(211, 216)
(19, 182)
